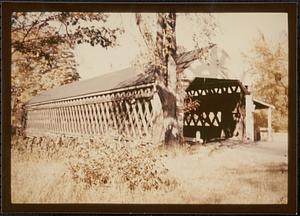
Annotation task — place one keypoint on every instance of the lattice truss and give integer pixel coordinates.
(203, 119)
(129, 112)
(213, 118)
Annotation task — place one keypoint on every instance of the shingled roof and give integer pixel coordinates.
(114, 80)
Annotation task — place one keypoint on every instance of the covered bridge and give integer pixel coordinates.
(127, 101)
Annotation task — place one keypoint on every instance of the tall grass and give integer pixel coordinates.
(107, 170)
(99, 162)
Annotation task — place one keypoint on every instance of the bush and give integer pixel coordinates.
(101, 161)
(136, 165)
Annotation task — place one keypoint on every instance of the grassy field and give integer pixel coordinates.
(105, 171)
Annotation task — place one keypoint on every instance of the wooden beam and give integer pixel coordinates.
(91, 118)
(100, 120)
(129, 114)
(269, 124)
(82, 119)
(137, 120)
(143, 116)
(96, 122)
(77, 117)
(87, 119)
(112, 113)
(103, 114)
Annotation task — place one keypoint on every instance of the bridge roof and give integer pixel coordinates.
(207, 83)
(115, 80)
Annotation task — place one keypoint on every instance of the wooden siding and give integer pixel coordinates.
(127, 111)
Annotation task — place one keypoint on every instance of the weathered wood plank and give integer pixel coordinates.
(82, 119)
(143, 116)
(87, 120)
(100, 120)
(137, 122)
(102, 110)
(129, 114)
(92, 119)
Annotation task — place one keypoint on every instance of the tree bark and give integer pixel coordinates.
(169, 67)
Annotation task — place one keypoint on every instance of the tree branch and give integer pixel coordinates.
(185, 59)
(144, 31)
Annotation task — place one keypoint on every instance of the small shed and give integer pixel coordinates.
(259, 105)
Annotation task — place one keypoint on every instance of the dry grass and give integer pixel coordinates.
(109, 171)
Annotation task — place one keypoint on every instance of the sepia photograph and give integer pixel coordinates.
(152, 107)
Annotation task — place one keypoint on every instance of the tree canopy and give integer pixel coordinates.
(42, 46)
(268, 65)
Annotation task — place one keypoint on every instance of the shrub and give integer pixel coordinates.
(100, 161)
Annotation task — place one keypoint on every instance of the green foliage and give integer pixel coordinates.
(42, 51)
(269, 66)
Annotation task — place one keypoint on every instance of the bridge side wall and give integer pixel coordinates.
(129, 112)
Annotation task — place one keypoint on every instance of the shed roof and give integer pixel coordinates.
(114, 80)
(261, 104)
(205, 83)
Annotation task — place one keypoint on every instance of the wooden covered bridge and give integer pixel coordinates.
(127, 101)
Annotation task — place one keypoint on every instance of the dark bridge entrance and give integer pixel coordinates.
(221, 109)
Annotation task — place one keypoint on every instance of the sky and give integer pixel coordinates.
(235, 34)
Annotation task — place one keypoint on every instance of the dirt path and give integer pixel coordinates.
(228, 173)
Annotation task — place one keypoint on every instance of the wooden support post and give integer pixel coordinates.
(249, 118)
(103, 117)
(143, 116)
(66, 115)
(60, 120)
(269, 124)
(148, 113)
(63, 120)
(119, 123)
(100, 122)
(50, 119)
(37, 119)
(72, 118)
(95, 117)
(55, 119)
(42, 120)
(67, 118)
(112, 113)
(137, 121)
(77, 123)
(86, 118)
(37, 126)
(157, 118)
(132, 126)
(90, 117)
(80, 118)
(108, 115)
(122, 115)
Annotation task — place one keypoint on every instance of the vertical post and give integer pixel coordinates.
(157, 118)
(249, 118)
(269, 124)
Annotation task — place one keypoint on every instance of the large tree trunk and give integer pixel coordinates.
(166, 74)
(169, 68)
